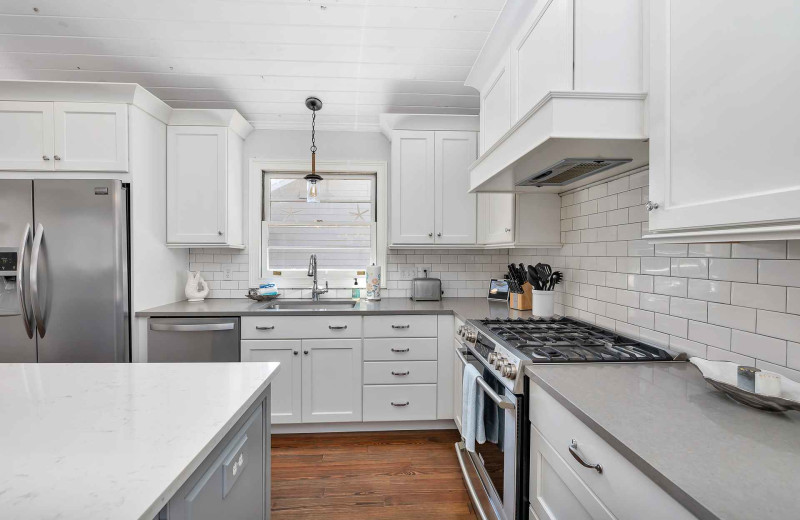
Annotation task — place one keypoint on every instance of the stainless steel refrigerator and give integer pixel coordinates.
(64, 271)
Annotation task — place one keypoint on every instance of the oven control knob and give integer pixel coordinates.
(491, 357)
(459, 330)
(499, 361)
(509, 370)
(471, 336)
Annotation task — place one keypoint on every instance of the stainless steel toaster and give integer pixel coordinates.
(426, 289)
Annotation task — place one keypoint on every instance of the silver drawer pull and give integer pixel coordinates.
(401, 373)
(573, 450)
(201, 327)
(271, 327)
(400, 404)
(400, 350)
(337, 327)
(401, 326)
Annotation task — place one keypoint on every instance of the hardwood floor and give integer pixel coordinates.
(368, 475)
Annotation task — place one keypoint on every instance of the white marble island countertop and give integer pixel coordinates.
(113, 441)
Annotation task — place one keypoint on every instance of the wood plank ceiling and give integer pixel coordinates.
(262, 57)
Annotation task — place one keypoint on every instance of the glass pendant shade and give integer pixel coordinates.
(312, 187)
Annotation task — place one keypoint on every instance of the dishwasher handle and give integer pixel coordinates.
(198, 327)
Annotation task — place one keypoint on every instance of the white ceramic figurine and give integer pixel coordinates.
(196, 288)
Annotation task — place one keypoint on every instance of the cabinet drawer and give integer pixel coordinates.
(626, 491)
(408, 326)
(300, 327)
(411, 403)
(403, 349)
(399, 372)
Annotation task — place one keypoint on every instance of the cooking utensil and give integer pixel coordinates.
(554, 280)
(533, 278)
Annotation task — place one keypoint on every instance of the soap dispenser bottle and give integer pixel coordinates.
(356, 290)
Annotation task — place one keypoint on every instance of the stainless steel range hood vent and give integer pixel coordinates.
(570, 170)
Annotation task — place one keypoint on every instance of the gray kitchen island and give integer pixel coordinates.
(135, 441)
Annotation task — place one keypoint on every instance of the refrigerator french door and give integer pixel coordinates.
(66, 298)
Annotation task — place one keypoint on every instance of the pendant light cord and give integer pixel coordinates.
(313, 131)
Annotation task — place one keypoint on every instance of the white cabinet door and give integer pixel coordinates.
(91, 137)
(26, 135)
(331, 380)
(556, 492)
(496, 218)
(724, 150)
(197, 185)
(412, 185)
(286, 387)
(455, 207)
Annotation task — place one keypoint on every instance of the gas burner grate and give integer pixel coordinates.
(564, 340)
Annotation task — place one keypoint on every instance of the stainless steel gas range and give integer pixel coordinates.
(497, 472)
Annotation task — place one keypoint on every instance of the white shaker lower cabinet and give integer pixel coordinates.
(718, 173)
(458, 377)
(331, 380)
(286, 387)
(562, 489)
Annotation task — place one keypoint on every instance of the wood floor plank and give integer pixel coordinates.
(368, 475)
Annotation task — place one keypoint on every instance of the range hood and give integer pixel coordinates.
(570, 170)
(567, 140)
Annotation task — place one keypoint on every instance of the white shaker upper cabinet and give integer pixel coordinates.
(455, 206)
(724, 145)
(26, 135)
(197, 185)
(496, 222)
(412, 187)
(91, 137)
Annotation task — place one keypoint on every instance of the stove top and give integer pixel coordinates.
(566, 340)
(505, 346)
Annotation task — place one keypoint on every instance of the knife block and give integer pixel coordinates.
(521, 301)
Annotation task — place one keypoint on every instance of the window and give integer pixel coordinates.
(340, 229)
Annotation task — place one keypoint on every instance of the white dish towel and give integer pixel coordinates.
(472, 408)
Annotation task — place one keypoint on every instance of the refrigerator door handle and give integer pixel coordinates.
(38, 314)
(21, 281)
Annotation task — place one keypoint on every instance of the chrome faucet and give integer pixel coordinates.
(312, 271)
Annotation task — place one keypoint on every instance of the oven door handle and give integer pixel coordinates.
(460, 354)
(501, 401)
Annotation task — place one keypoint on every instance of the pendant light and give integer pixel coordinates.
(312, 193)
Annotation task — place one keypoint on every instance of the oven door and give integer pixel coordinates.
(491, 471)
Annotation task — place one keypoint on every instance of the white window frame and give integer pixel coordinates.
(257, 232)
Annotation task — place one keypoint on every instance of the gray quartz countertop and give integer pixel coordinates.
(720, 459)
(464, 308)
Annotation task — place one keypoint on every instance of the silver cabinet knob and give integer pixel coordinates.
(439, 234)
(650, 206)
(508, 230)
(45, 158)
(295, 352)
(219, 233)
(56, 157)
(305, 352)
(430, 234)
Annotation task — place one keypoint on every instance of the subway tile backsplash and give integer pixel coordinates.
(737, 302)
(464, 272)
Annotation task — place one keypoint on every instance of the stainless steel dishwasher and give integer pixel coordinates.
(187, 340)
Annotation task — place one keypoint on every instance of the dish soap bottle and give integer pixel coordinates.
(356, 290)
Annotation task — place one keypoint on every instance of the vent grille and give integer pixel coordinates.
(570, 170)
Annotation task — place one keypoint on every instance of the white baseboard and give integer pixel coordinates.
(446, 424)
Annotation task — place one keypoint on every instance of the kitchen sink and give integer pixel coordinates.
(310, 305)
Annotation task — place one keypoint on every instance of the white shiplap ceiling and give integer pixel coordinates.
(262, 57)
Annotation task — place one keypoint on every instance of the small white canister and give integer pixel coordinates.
(543, 303)
(374, 282)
